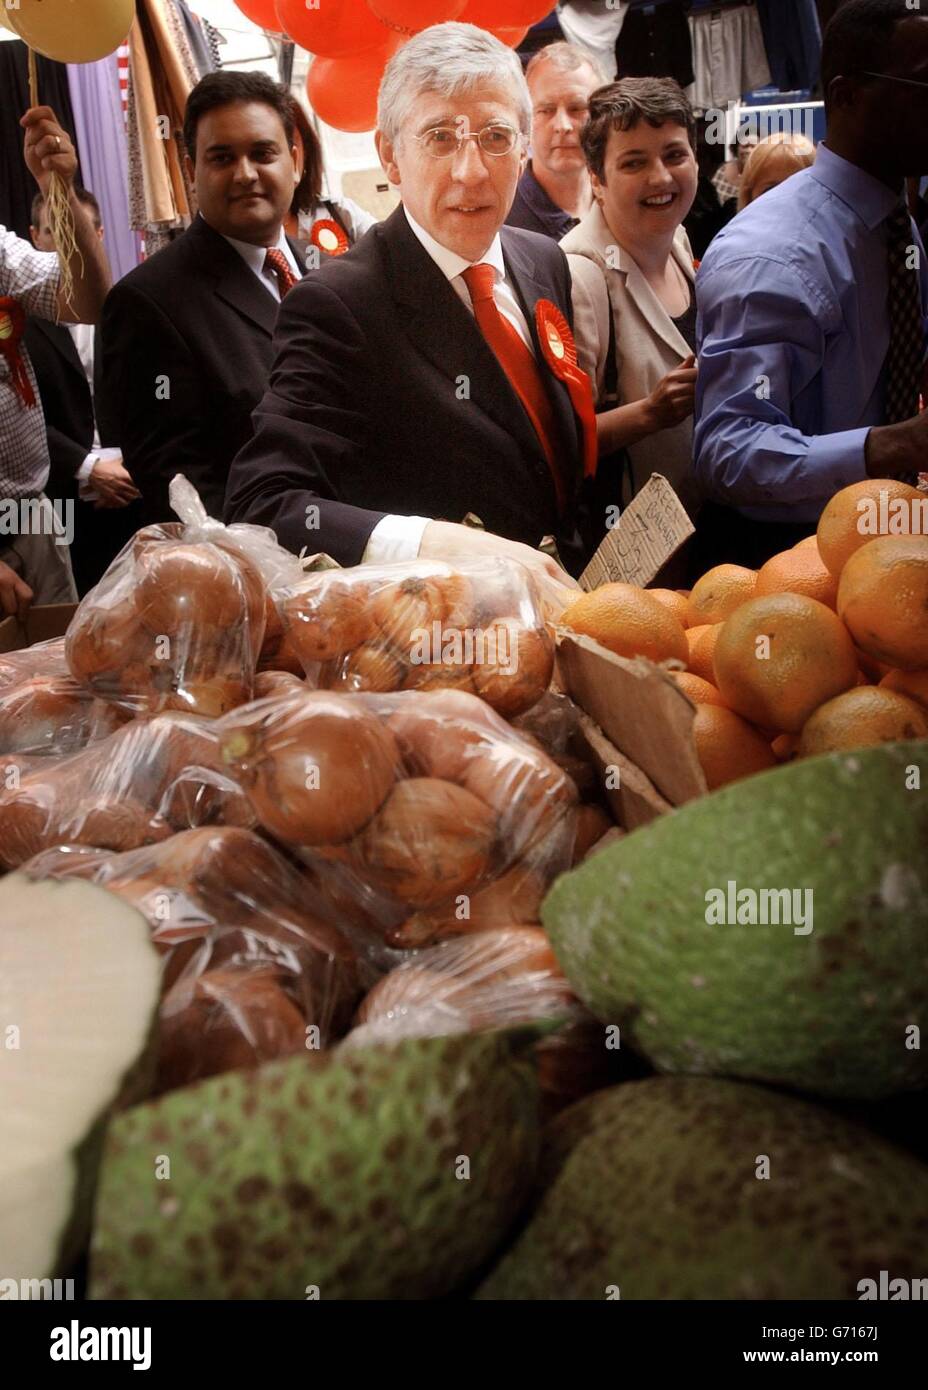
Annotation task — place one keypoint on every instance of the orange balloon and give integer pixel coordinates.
(413, 15)
(510, 37)
(263, 12)
(343, 91)
(336, 29)
(505, 14)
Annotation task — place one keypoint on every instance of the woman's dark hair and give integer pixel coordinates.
(225, 87)
(858, 36)
(622, 105)
(309, 189)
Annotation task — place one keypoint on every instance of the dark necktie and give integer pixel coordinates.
(517, 361)
(907, 330)
(277, 262)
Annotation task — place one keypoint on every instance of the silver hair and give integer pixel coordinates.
(448, 59)
(567, 57)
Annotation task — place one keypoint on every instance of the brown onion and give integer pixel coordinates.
(192, 587)
(325, 618)
(518, 682)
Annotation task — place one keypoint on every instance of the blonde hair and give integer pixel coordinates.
(781, 151)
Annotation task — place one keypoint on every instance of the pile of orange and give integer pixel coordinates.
(824, 648)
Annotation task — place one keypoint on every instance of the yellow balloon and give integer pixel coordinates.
(72, 31)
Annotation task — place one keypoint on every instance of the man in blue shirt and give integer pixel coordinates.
(798, 388)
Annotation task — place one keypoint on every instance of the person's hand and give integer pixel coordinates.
(15, 594)
(48, 149)
(112, 484)
(441, 540)
(897, 451)
(674, 397)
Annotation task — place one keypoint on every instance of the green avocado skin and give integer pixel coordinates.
(334, 1176)
(841, 1011)
(656, 1193)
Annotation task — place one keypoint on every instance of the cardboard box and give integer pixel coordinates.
(41, 625)
(644, 727)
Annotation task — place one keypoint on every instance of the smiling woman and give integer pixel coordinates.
(631, 261)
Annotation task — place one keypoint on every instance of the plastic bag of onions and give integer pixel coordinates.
(416, 807)
(147, 780)
(41, 659)
(474, 626)
(252, 971)
(179, 618)
(53, 715)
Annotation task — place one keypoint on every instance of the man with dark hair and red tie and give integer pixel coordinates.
(187, 336)
(425, 375)
(813, 307)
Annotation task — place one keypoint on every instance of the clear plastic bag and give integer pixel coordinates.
(149, 779)
(178, 621)
(474, 626)
(409, 807)
(252, 969)
(52, 716)
(41, 659)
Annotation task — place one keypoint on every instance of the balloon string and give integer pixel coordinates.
(58, 207)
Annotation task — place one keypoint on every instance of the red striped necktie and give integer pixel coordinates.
(277, 262)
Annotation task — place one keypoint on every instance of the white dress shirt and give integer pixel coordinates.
(255, 257)
(82, 335)
(399, 537)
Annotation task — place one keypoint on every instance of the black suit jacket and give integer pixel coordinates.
(384, 397)
(186, 353)
(68, 407)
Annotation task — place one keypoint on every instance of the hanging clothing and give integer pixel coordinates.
(181, 41)
(593, 26)
(793, 38)
(655, 42)
(17, 186)
(101, 137)
(160, 195)
(729, 55)
(204, 58)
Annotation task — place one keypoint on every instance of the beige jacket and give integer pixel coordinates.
(647, 342)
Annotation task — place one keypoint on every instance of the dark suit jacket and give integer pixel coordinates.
(69, 425)
(384, 397)
(186, 354)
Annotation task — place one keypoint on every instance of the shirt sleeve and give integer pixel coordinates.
(395, 538)
(762, 341)
(31, 277)
(590, 299)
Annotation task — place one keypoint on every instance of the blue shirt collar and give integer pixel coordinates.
(867, 196)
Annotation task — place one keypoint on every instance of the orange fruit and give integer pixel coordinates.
(912, 684)
(798, 571)
(629, 621)
(781, 656)
(673, 601)
(850, 518)
(719, 592)
(697, 689)
(883, 599)
(727, 747)
(808, 543)
(873, 671)
(701, 642)
(861, 717)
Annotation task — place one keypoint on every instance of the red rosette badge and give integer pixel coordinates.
(329, 237)
(560, 353)
(12, 327)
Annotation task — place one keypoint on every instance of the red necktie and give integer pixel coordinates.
(277, 262)
(517, 361)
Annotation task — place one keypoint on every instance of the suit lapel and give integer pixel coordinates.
(444, 331)
(62, 342)
(234, 282)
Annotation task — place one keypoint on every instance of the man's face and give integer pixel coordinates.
(650, 180)
(42, 238)
(560, 106)
(463, 200)
(245, 172)
(894, 113)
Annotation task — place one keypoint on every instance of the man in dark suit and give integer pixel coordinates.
(187, 335)
(410, 382)
(85, 471)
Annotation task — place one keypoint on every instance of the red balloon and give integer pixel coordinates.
(505, 14)
(343, 91)
(261, 12)
(510, 37)
(414, 15)
(336, 29)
